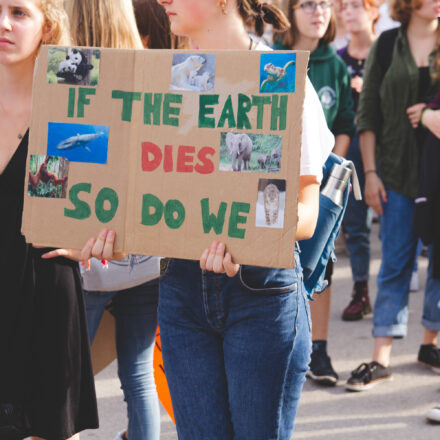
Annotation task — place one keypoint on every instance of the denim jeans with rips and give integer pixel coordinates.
(235, 350)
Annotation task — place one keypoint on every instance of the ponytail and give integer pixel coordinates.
(256, 13)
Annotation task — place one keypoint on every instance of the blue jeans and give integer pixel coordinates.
(357, 221)
(135, 312)
(235, 350)
(399, 245)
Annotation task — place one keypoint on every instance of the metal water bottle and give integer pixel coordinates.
(336, 183)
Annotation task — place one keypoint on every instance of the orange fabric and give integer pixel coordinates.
(161, 380)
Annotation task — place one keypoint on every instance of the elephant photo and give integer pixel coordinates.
(275, 158)
(263, 160)
(240, 148)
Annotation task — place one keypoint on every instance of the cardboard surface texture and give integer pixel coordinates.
(171, 149)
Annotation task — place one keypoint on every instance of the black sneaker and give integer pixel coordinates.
(321, 370)
(429, 355)
(367, 376)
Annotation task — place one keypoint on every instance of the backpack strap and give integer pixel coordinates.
(385, 46)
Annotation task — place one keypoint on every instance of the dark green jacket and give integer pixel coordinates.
(331, 80)
(382, 109)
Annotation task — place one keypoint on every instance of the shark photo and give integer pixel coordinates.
(78, 142)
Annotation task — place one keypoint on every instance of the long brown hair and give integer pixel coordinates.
(401, 10)
(256, 13)
(152, 21)
(435, 65)
(290, 37)
(104, 23)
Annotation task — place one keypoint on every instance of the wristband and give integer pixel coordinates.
(370, 171)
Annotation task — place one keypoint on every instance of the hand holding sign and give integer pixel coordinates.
(101, 248)
(216, 260)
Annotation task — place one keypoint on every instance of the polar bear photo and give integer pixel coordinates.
(200, 81)
(193, 72)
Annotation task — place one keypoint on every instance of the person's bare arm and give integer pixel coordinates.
(308, 207)
(342, 143)
(218, 260)
(374, 189)
(431, 120)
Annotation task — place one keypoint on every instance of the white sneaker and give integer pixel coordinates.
(433, 415)
(120, 435)
(414, 284)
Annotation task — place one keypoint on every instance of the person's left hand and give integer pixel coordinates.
(215, 259)
(414, 113)
(101, 248)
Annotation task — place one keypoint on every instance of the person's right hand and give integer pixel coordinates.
(375, 192)
(356, 83)
(100, 247)
(217, 260)
(431, 120)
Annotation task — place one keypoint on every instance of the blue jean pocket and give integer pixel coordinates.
(268, 280)
(165, 268)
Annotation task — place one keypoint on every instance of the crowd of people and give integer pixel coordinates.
(372, 96)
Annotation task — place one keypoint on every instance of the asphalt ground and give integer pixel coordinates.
(395, 410)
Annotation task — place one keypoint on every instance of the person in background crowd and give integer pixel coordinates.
(342, 34)
(390, 102)
(313, 28)
(130, 287)
(239, 335)
(430, 120)
(359, 17)
(46, 378)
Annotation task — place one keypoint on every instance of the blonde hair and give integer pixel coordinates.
(56, 23)
(104, 23)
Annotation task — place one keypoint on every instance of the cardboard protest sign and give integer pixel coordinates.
(171, 149)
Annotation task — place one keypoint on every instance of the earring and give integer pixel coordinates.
(223, 7)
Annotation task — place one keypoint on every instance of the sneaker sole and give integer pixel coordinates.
(352, 317)
(322, 380)
(433, 416)
(368, 386)
(434, 369)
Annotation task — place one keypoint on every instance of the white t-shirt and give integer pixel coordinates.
(132, 271)
(317, 140)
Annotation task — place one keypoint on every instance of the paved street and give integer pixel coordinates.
(390, 411)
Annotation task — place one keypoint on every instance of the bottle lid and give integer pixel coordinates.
(340, 172)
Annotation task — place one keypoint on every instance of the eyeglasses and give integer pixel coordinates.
(310, 7)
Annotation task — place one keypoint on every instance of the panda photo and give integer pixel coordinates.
(74, 68)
